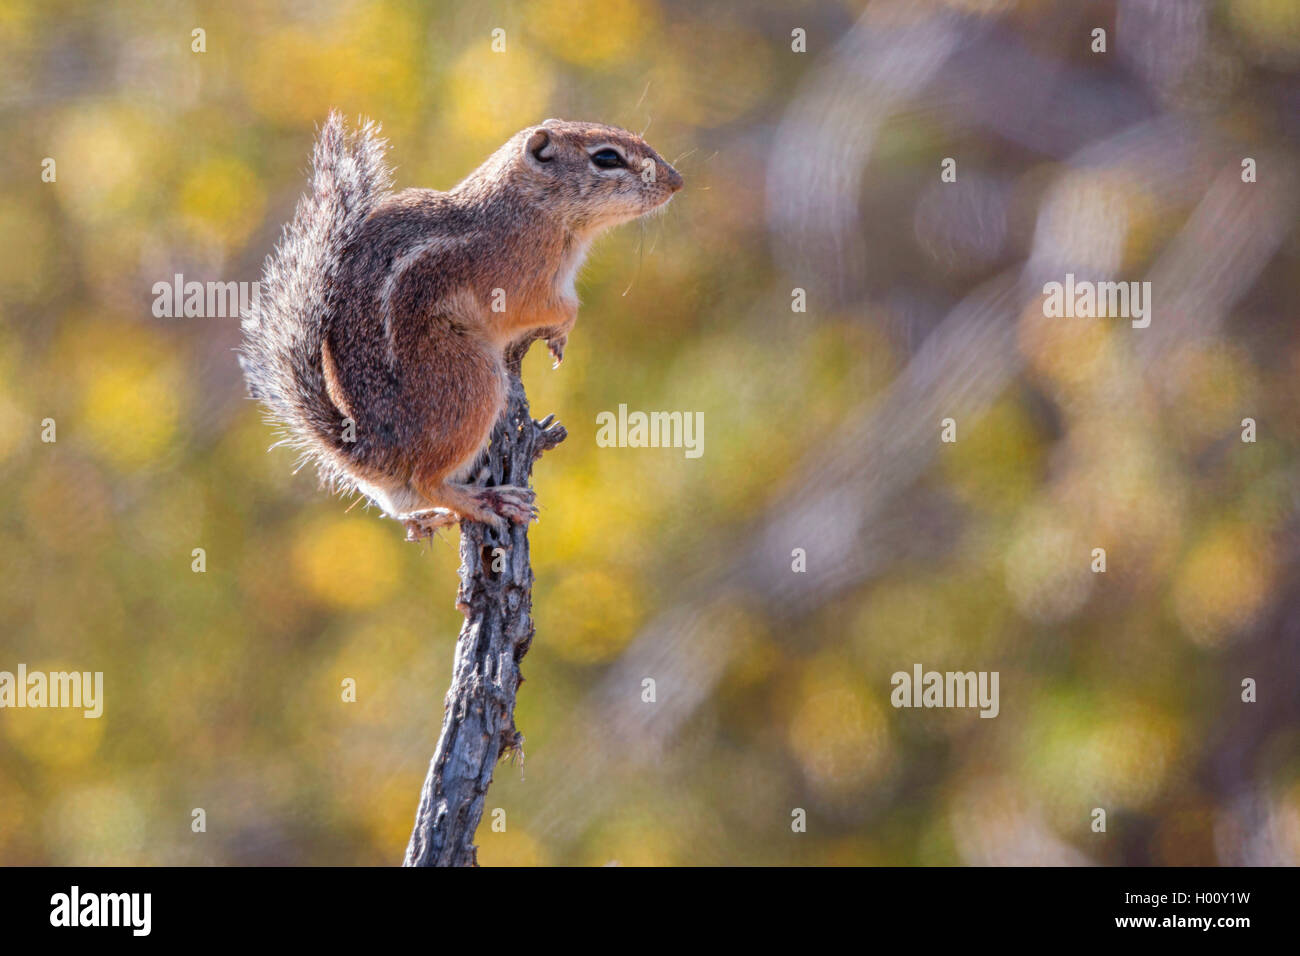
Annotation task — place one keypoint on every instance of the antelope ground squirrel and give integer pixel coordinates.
(380, 335)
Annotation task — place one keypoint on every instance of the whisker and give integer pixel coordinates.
(640, 250)
(658, 232)
(643, 93)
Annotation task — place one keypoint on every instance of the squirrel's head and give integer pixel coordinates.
(594, 176)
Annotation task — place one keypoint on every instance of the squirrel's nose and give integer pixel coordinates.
(672, 178)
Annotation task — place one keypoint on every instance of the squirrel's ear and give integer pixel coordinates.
(539, 148)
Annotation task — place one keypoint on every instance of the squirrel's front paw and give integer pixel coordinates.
(556, 345)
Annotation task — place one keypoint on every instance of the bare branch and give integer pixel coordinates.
(496, 596)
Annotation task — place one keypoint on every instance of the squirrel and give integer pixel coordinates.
(379, 338)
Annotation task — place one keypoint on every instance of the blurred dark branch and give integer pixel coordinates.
(478, 725)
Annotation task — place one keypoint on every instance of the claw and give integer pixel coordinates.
(512, 503)
(423, 524)
(556, 345)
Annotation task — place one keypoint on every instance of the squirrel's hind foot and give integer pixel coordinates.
(424, 524)
(493, 506)
(505, 503)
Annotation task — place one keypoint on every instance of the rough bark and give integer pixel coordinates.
(478, 726)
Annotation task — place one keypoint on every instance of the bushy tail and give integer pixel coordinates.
(284, 331)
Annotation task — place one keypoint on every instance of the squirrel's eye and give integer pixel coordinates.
(607, 158)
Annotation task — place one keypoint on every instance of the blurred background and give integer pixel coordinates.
(817, 170)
